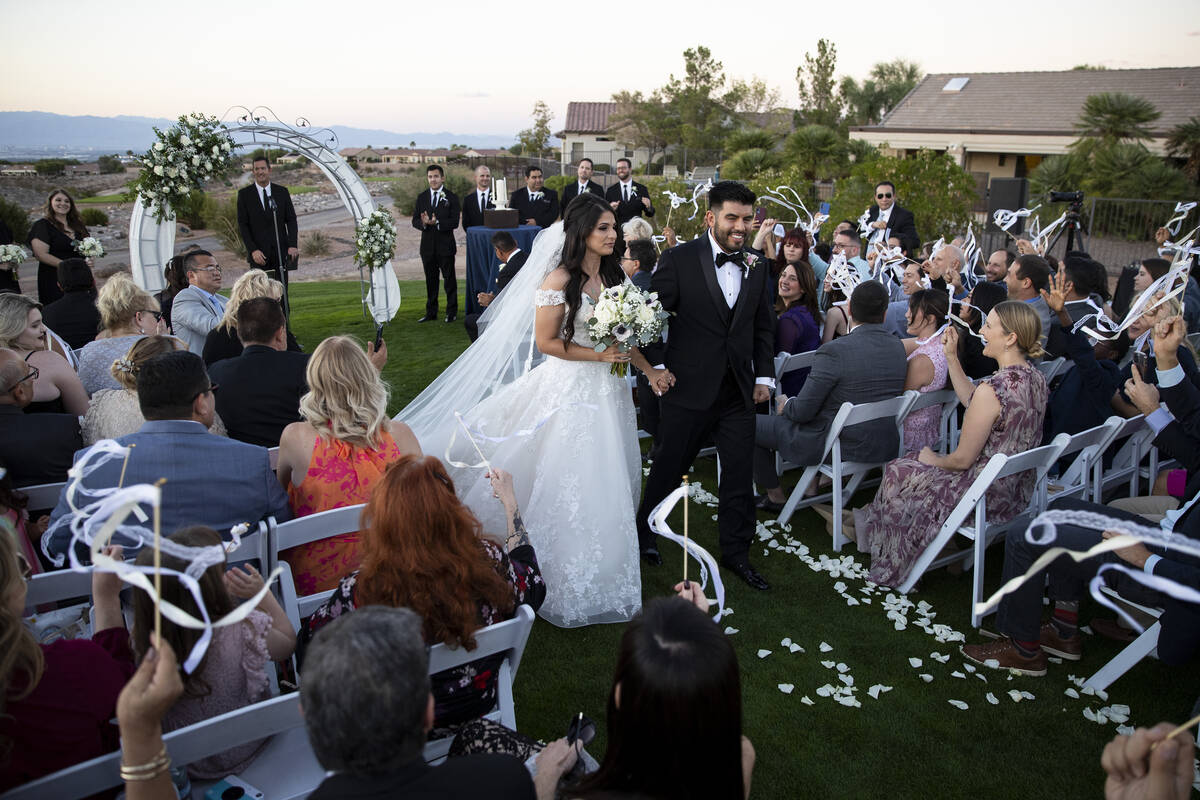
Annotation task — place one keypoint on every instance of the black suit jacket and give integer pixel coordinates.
(491, 775)
(543, 211)
(472, 214)
(74, 317)
(437, 239)
(254, 222)
(37, 448)
(901, 225)
(571, 191)
(259, 392)
(628, 209)
(509, 269)
(707, 337)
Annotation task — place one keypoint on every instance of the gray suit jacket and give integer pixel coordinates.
(193, 315)
(211, 480)
(865, 366)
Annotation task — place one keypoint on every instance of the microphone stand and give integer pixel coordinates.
(283, 276)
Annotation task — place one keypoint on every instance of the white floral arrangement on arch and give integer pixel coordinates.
(12, 254)
(375, 239)
(188, 153)
(627, 317)
(89, 247)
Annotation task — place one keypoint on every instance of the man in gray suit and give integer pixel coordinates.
(210, 480)
(197, 309)
(865, 366)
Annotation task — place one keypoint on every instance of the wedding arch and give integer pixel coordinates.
(152, 242)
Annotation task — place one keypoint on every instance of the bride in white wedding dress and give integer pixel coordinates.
(565, 427)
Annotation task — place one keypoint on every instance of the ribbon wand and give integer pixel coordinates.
(124, 464)
(157, 560)
(686, 492)
(482, 457)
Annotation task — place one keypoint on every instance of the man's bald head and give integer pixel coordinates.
(13, 370)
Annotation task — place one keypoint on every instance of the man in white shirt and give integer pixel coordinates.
(886, 218)
(475, 203)
(583, 185)
(627, 197)
(197, 309)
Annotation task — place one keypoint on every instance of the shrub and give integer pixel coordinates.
(748, 164)
(315, 243)
(405, 188)
(225, 225)
(93, 216)
(16, 218)
(198, 211)
(557, 182)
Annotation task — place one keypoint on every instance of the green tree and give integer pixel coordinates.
(750, 139)
(748, 164)
(701, 101)
(1062, 173)
(110, 165)
(1115, 116)
(819, 102)
(754, 96)
(818, 151)
(880, 92)
(1184, 142)
(16, 218)
(644, 122)
(535, 140)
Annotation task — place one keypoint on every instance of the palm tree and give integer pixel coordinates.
(1114, 116)
(1184, 142)
(818, 151)
(748, 164)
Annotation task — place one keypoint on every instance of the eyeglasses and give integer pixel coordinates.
(157, 314)
(212, 387)
(884, 196)
(213, 268)
(31, 375)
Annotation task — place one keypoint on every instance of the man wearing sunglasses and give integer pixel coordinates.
(34, 448)
(887, 219)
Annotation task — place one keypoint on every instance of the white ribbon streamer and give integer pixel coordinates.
(658, 524)
(476, 435)
(1181, 212)
(1005, 219)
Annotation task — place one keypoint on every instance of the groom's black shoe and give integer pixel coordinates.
(428, 318)
(651, 556)
(746, 572)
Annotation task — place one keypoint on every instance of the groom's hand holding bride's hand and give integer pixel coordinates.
(762, 393)
(661, 379)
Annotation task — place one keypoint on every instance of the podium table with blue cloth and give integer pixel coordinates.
(482, 264)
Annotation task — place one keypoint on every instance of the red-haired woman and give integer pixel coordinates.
(794, 248)
(52, 239)
(424, 550)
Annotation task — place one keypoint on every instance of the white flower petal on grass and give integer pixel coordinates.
(969, 667)
(926, 677)
(842, 667)
(939, 657)
(846, 679)
(991, 698)
(826, 647)
(981, 676)
(786, 688)
(825, 691)
(764, 653)
(1054, 659)
(808, 701)
(828, 664)
(957, 674)
(1026, 695)
(850, 601)
(992, 663)
(958, 704)
(730, 631)
(849, 700)
(795, 648)
(787, 640)
(1127, 730)
(1070, 692)
(877, 690)
(915, 662)
(1015, 695)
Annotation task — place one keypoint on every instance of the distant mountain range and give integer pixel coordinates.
(34, 134)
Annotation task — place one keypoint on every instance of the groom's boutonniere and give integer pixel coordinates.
(749, 262)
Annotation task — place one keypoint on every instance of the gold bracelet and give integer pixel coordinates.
(148, 771)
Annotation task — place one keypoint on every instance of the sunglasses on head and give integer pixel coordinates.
(883, 196)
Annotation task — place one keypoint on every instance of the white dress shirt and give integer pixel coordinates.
(483, 199)
(884, 217)
(626, 189)
(729, 278)
(264, 194)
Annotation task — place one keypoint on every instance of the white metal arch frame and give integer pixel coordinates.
(152, 243)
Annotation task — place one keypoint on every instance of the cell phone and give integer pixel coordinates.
(378, 336)
(760, 215)
(824, 209)
(581, 729)
(1143, 362)
(231, 787)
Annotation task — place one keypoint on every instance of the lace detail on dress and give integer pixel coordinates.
(549, 297)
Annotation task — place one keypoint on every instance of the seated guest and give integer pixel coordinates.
(1150, 270)
(1082, 399)
(127, 313)
(836, 319)
(74, 316)
(261, 388)
(211, 480)
(14, 515)
(927, 311)
(233, 671)
(639, 260)
(56, 387)
(1185, 356)
(793, 249)
(113, 413)
(1027, 277)
(337, 454)
(864, 366)
(423, 549)
(176, 282)
(636, 228)
(996, 268)
(974, 310)
(368, 711)
(36, 448)
(57, 700)
(511, 259)
(222, 341)
(799, 329)
(896, 319)
(198, 308)
(1004, 415)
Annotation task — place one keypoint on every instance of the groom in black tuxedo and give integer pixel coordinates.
(719, 363)
(435, 215)
(255, 204)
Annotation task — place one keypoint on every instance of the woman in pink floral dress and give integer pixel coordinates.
(927, 370)
(1004, 415)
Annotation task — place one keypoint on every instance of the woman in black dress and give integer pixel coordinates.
(52, 238)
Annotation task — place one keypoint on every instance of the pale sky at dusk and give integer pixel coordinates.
(471, 67)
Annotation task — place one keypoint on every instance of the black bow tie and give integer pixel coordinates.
(725, 258)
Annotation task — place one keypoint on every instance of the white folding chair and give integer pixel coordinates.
(790, 362)
(1050, 369)
(982, 532)
(508, 637)
(948, 400)
(286, 765)
(273, 456)
(1136, 437)
(1078, 479)
(304, 530)
(1144, 645)
(846, 476)
(57, 586)
(42, 496)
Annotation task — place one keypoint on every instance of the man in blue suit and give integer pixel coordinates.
(210, 480)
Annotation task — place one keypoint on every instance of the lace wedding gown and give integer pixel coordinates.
(566, 431)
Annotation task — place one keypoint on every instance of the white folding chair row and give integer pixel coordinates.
(790, 362)
(846, 476)
(948, 400)
(1081, 475)
(286, 765)
(1135, 436)
(43, 496)
(1052, 368)
(305, 530)
(1144, 645)
(974, 503)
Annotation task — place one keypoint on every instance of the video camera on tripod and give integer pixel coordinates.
(1072, 224)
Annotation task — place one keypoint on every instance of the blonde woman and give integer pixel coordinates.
(116, 412)
(56, 387)
(223, 341)
(337, 454)
(1004, 415)
(127, 313)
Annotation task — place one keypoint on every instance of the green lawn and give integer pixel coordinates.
(909, 743)
(111, 199)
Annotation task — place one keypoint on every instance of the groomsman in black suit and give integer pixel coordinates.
(628, 198)
(584, 184)
(535, 204)
(511, 258)
(255, 204)
(888, 219)
(435, 215)
(474, 204)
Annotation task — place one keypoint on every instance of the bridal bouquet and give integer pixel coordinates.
(375, 239)
(625, 316)
(12, 254)
(191, 151)
(89, 247)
